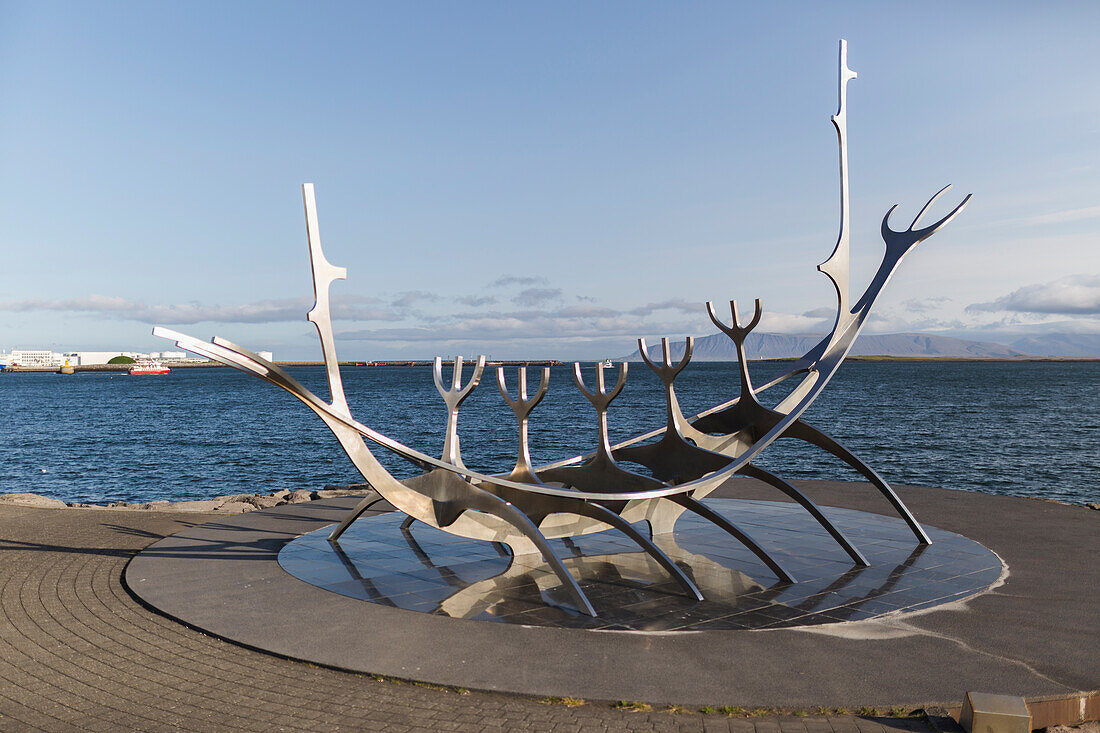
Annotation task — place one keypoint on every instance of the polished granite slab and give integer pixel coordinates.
(426, 570)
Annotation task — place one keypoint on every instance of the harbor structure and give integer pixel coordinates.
(49, 359)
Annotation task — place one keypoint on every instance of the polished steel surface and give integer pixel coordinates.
(592, 493)
(433, 572)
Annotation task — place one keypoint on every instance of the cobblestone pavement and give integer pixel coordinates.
(77, 652)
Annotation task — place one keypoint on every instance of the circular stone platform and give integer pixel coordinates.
(225, 578)
(427, 570)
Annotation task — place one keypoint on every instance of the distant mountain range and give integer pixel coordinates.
(1060, 344)
(718, 347)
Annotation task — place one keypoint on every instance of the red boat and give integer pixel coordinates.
(149, 367)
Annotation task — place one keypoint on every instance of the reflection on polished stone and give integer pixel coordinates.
(424, 569)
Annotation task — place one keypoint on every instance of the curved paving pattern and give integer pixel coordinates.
(77, 652)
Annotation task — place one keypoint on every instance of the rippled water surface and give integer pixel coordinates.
(1027, 429)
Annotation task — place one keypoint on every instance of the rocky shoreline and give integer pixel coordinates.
(226, 504)
(241, 503)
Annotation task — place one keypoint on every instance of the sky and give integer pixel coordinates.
(537, 180)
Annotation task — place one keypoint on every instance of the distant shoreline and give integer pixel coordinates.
(968, 358)
(1007, 359)
(125, 368)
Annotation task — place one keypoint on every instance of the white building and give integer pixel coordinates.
(35, 358)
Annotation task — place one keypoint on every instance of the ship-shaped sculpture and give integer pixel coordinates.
(685, 460)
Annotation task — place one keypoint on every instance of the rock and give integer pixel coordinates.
(32, 500)
(354, 488)
(280, 494)
(235, 507)
(262, 502)
(233, 497)
(1093, 505)
(208, 505)
(299, 496)
(327, 493)
(257, 501)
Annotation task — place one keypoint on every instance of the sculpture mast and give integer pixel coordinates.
(837, 266)
(324, 273)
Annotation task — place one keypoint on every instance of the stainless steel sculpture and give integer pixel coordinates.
(689, 458)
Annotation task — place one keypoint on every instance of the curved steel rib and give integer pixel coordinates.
(483, 501)
(354, 514)
(813, 436)
(771, 479)
(600, 513)
(742, 536)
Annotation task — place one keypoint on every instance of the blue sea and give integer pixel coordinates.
(1026, 429)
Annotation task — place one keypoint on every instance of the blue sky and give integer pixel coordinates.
(535, 180)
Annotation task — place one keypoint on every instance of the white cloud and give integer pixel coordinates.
(410, 297)
(887, 322)
(1074, 295)
(1075, 326)
(1060, 217)
(564, 324)
(1048, 219)
(556, 322)
(676, 304)
(263, 311)
(924, 305)
(530, 297)
(506, 280)
(572, 323)
(791, 323)
(476, 301)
